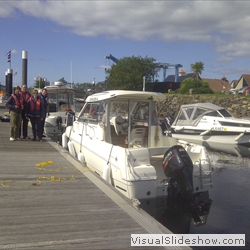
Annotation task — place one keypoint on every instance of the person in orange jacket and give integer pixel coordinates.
(24, 122)
(35, 113)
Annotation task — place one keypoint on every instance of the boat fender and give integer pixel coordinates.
(64, 141)
(81, 157)
(106, 173)
(71, 148)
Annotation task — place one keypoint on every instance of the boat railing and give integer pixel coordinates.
(205, 176)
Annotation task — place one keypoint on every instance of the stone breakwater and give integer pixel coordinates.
(238, 106)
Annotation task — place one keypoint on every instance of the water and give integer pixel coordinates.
(229, 212)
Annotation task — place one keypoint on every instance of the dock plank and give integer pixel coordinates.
(71, 209)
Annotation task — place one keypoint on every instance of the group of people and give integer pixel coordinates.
(25, 107)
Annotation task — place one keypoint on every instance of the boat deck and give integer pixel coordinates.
(50, 201)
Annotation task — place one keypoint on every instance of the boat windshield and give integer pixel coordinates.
(93, 112)
(225, 113)
(214, 114)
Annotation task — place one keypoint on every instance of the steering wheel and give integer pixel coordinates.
(120, 125)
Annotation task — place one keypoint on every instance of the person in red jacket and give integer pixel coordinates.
(35, 113)
(24, 122)
(15, 106)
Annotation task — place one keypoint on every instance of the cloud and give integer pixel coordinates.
(224, 59)
(6, 9)
(13, 51)
(223, 23)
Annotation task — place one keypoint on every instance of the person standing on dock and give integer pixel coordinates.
(24, 122)
(35, 113)
(15, 106)
(44, 96)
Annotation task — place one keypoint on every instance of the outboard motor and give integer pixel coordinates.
(179, 213)
(70, 118)
(178, 167)
(58, 122)
(166, 123)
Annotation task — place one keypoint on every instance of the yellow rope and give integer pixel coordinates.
(6, 181)
(44, 163)
(41, 167)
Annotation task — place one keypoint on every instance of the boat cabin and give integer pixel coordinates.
(61, 97)
(126, 121)
(191, 114)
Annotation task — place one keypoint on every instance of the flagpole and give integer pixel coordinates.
(15, 74)
(10, 59)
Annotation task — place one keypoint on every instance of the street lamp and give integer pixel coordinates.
(38, 78)
(144, 79)
(93, 83)
(45, 81)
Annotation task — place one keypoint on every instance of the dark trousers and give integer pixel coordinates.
(42, 125)
(23, 126)
(36, 121)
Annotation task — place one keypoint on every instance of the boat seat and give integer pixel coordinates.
(118, 125)
(137, 137)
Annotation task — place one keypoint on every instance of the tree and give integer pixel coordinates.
(128, 73)
(62, 80)
(197, 68)
(40, 82)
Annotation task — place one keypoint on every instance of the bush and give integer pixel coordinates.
(197, 86)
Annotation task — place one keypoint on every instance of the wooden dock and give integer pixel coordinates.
(48, 200)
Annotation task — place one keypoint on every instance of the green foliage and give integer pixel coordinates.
(197, 68)
(197, 86)
(62, 80)
(40, 83)
(128, 73)
(83, 86)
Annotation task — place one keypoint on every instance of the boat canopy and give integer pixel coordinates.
(191, 114)
(157, 97)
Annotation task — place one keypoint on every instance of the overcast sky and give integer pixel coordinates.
(71, 38)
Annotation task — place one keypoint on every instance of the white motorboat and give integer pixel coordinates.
(206, 122)
(118, 136)
(61, 100)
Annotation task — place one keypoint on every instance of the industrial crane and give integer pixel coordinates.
(158, 65)
(166, 66)
(112, 58)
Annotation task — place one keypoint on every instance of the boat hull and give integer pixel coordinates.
(136, 173)
(225, 138)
